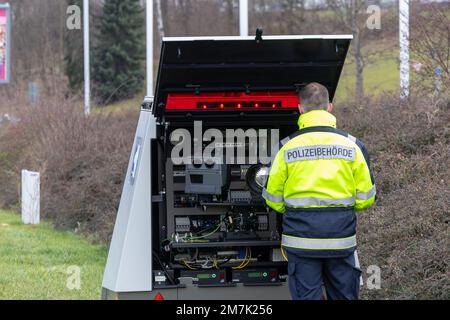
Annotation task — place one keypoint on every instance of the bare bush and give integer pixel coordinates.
(431, 42)
(406, 232)
(82, 162)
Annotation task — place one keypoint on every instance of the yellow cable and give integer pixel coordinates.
(247, 254)
(248, 261)
(283, 254)
(245, 259)
(242, 263)
(187, 265)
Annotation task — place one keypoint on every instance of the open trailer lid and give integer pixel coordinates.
(248, 64)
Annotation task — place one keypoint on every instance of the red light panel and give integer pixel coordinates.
(232, 101)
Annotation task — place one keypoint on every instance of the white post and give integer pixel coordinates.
(87, 74)
(30, 197)
(243, 17)
(149, 11)
(437, 82)
(404, 47)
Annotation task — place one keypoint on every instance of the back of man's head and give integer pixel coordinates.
(314, 96)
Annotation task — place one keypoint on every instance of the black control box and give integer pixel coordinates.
(255, 276)
(206, 277)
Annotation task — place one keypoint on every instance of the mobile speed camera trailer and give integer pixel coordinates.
(201, 230)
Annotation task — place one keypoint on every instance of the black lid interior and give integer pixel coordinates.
(244, 64)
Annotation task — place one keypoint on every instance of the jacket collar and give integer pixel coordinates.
(317, 118)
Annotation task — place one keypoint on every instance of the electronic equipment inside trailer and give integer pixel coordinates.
(214, 215)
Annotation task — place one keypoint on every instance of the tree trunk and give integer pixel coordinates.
(230, 16)
(160, 19)
(186, 16)
(165, 15)
(359, 62)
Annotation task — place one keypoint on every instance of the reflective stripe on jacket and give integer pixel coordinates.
(319, 177)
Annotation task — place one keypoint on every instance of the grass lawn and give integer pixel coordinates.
(128, 104)
(36, 261)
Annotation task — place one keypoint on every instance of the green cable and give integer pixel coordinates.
(206, 235)
(200, 237)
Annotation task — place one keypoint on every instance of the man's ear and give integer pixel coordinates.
(330, 107)
(300, 108)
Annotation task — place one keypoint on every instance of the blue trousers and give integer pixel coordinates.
(340, 276)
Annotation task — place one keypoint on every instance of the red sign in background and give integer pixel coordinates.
(3, 44)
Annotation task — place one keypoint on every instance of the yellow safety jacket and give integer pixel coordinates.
(319, 177)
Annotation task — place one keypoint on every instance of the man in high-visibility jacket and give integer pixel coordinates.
(318, 180)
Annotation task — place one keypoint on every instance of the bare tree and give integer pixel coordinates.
(431, 43)
(186, 9)
(350, 14)
(230, 8)
(37, 49)
(165, 6)
(159, 18)
(295, 18)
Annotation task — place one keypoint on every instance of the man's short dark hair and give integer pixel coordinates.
(314, 96)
